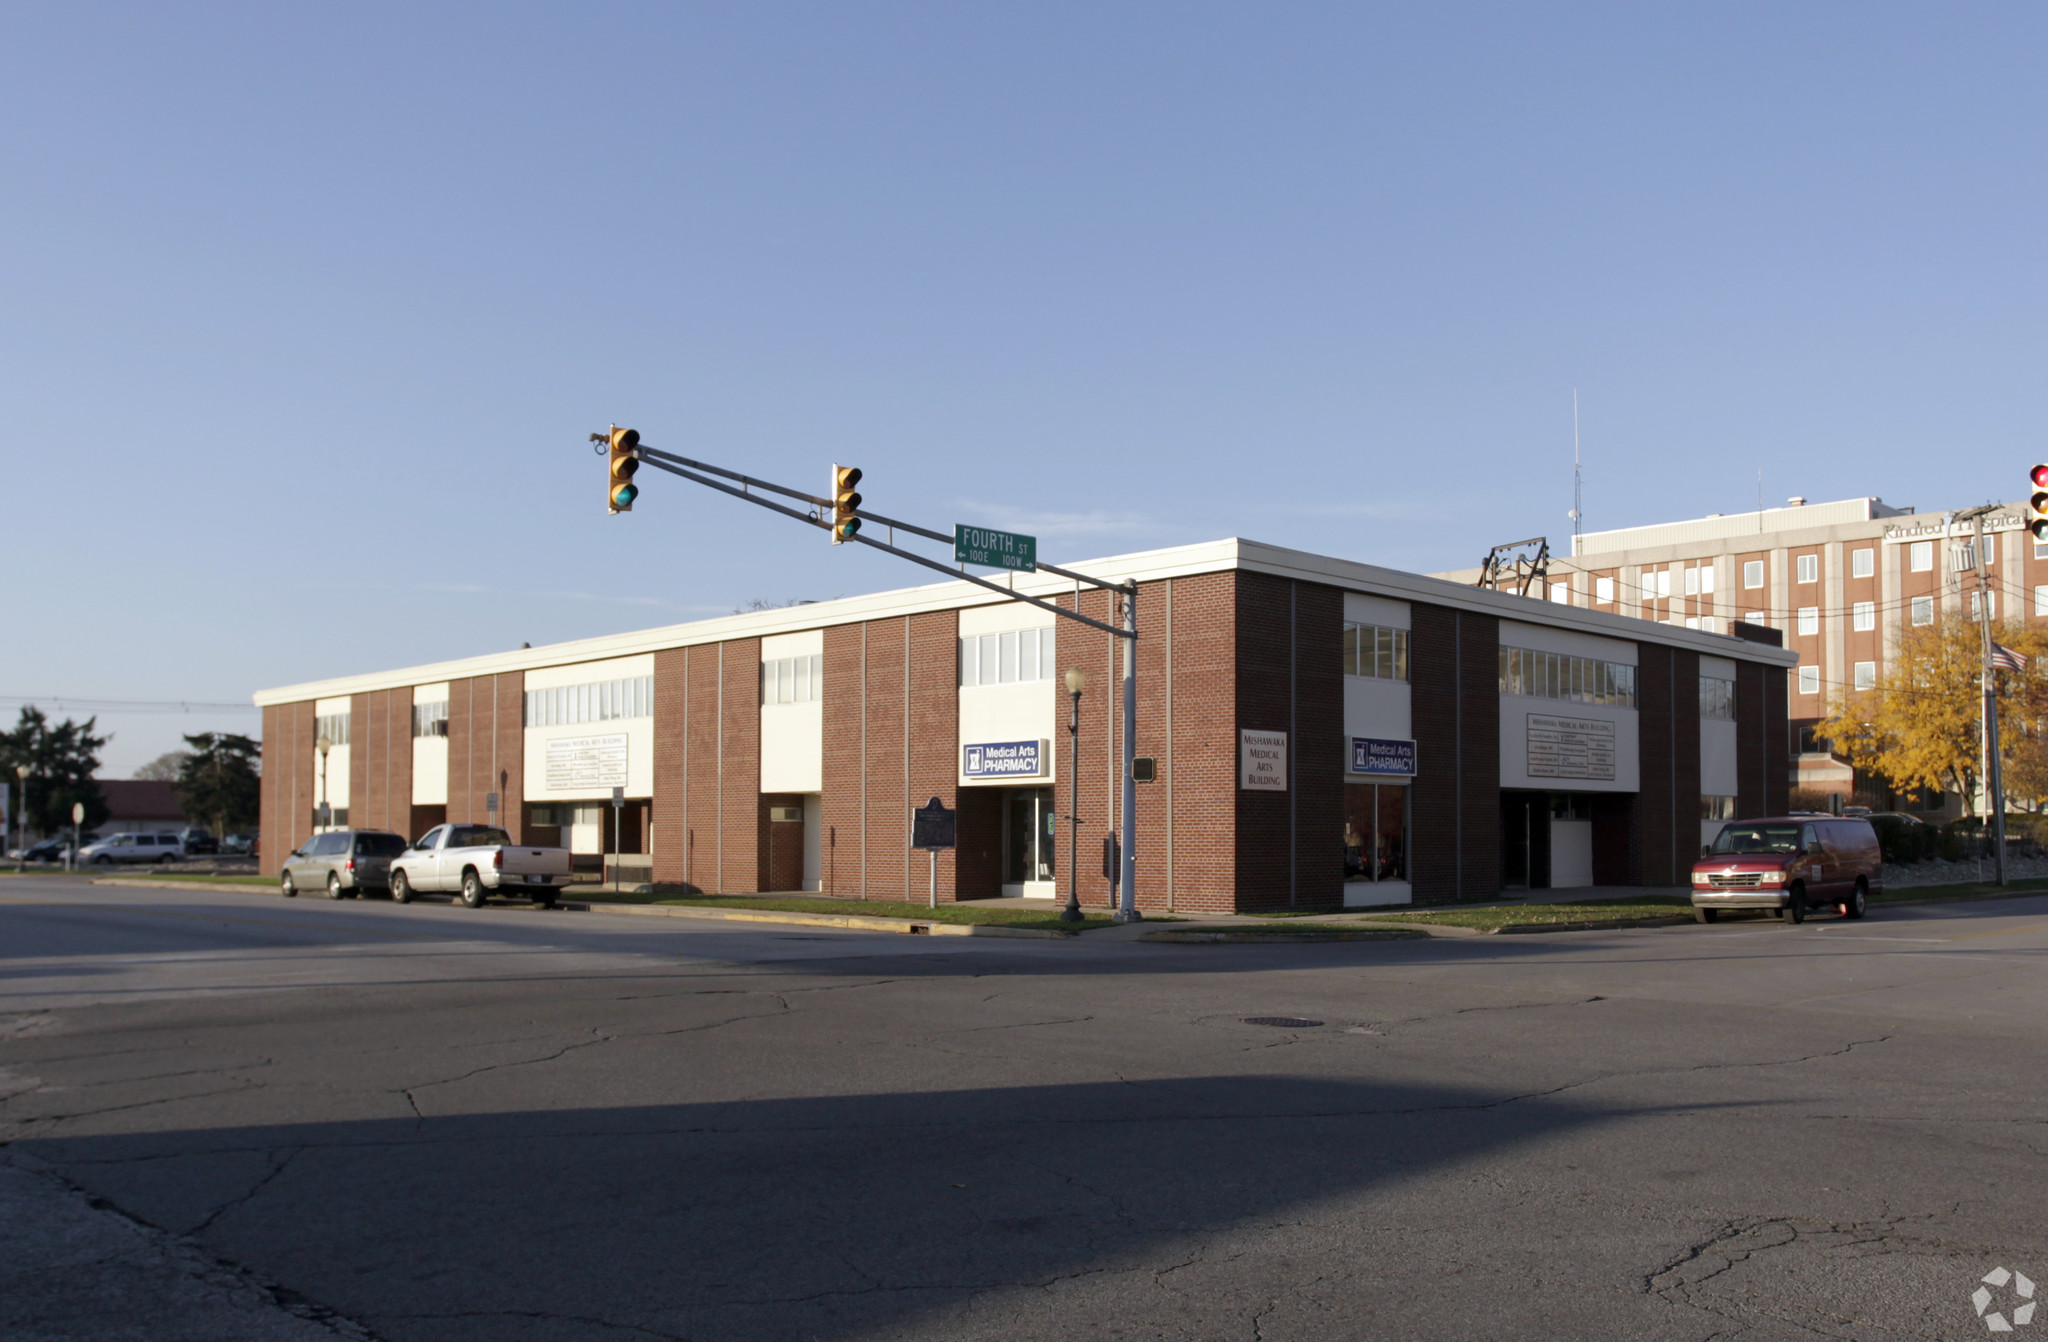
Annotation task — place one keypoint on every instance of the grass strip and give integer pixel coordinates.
(151, 875)
(1347, 931)
(1547, 915)
(1044, 920)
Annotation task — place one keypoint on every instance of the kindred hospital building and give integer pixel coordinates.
(1322, 734)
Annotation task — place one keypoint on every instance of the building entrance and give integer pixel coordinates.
(1029, 830)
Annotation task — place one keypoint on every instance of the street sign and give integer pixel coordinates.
(933, 827)
(490, 803)
(994, 549)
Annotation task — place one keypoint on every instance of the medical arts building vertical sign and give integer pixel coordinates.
(1261, 761)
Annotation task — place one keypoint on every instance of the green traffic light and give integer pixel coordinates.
(623, 496)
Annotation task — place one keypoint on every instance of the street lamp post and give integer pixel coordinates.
(1077, 680)
(323, 745)
(21, 819)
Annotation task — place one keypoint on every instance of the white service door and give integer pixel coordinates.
(1571, 854)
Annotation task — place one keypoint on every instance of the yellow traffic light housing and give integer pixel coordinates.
(620, 491)
(844, 503)
(2037, 502)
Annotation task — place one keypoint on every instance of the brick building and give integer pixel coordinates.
(1325, 734)
(1839, 580)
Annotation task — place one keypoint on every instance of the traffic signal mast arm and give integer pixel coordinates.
(689, 470)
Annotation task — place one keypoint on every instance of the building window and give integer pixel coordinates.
(1692, 621)
(2041, 549)
(1862, 563)
(1711, 623)
(334, 726)
(1603, 591)
(601, 701)
(1752, 573)
(1809, 619)
(1809, 680)
(1809, 568)
(1863, 615)
(1553, 675)
(1977, 597)
(1706, 579)
(430, 719)
(2041, 601)
(1716, 808)
(1756, 617)
(793, 680)
(1920, 556)
(1375, 832)
(1561, 592)
(1866, 675)
(1020, 655)
(1923, 610)
(1692, 582)
(1664, 582)
(1717, 697)
(1376, 651)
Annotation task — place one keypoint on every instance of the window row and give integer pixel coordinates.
(793, 680)
(430, 719)
(1717, 698)
(1553, 675)
(604, 701)
(1375, 650)
(333, 726)
(1005, 659)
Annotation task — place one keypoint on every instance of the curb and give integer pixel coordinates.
(1193, 937)
(904, 926)
(267, 888)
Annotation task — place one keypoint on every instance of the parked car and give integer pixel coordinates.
(344, 862)
(477, 861)
(49, 850)
(199, 842)
(132, 848)
(1791, 865)
(239, 845)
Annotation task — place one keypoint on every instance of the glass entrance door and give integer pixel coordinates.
(1029, 830)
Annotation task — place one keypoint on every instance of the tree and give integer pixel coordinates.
(1918, 727)
(61, 762)
(164, 768)
(220, 781)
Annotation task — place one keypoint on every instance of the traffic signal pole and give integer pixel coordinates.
(823, 510)
(1994, 773)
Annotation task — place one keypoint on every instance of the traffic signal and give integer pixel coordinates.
(620, 489)
(2037, 502)
(844, 502)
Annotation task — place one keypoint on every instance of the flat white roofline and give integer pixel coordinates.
(1144, 566)
(1799, 517)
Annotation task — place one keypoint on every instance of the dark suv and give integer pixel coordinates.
(345, 862)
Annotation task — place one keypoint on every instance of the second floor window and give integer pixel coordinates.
(430, 719)
(1375, 650)
(793, 680)
(333, 726)
(1717, 697)
(1007, 658)
(1556, 675)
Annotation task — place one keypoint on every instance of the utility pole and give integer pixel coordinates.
(1987, 733)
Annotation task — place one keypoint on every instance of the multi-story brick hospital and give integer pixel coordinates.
(1320, 733)
(1839, 580)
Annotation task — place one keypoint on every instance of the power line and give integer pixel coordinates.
(66, 703)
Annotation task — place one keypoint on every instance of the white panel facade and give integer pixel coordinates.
(430, 753)
(1362, 609)
(589, 673)
(1517, 709)
(1570, 642)
(793, 735)
(1377, 708)
(1024, 712)
(639, 743)
(1717, 757)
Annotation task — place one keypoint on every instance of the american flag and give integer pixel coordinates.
(2005, 659)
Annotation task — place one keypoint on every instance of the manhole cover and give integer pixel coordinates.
(1283, 1022)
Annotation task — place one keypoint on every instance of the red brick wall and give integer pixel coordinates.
(1290, 845)
(1198, 773)
(486, 749)
(739, 779)
(380, 761)
(286, 797)
(888, 728)
(672, 816)
(1454, 659)
(842, 845)
(934, 729)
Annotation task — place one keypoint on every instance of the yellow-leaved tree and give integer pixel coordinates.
(1918, 727)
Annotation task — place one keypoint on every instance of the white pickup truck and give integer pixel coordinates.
(475, 862)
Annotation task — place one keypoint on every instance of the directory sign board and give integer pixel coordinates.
(1561, 747)
(582, 763)
(1374, 755)
(933, 827)
(1004, 759)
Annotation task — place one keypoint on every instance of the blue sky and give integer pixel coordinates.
(309, 310)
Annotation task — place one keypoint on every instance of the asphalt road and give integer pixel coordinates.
(227, 1116)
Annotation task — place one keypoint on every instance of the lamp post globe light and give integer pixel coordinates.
(323, 745)
(1077, 680)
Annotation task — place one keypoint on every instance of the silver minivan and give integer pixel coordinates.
(132, 848)
(344, 862)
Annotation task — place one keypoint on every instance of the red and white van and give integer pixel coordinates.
(1793, 865)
